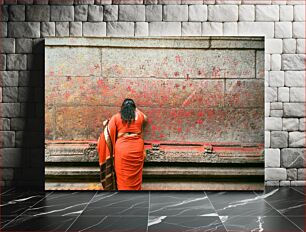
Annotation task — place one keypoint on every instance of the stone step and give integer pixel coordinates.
(71, 171)
(165, 185)
(162, 178)
(203, 185)
(75, 186)
(212, 172)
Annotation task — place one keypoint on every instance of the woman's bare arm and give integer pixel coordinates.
(145, 116)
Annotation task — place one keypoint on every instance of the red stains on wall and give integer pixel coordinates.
(178, 59)
(216, 72)
(189, 95)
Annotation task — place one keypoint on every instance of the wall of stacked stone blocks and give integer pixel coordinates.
(25, 23)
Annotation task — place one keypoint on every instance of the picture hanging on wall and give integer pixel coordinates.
(198, 104)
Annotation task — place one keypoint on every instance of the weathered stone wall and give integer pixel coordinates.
(193, 89)
(24, 24)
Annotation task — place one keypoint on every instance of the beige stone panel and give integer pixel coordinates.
(174, 63)
(66, 61)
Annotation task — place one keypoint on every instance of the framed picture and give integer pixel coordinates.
(203, 98)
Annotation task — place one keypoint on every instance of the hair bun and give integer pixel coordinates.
(129, 102)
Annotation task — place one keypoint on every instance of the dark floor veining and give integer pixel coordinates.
(273, 210)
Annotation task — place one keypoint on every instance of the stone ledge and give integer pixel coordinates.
(214, 172)
(162, 42)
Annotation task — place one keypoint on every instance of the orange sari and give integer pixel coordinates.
(106, 156)
(128, 152)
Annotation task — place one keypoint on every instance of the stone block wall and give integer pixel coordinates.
(210, 88)
(25, 23)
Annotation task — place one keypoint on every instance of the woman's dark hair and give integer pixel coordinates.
(127, 111)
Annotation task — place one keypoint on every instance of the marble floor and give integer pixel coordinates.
(274, 210)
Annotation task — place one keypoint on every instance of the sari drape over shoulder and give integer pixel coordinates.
(105, 148)
(106, 141)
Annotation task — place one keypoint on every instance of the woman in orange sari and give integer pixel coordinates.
(125, 132)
